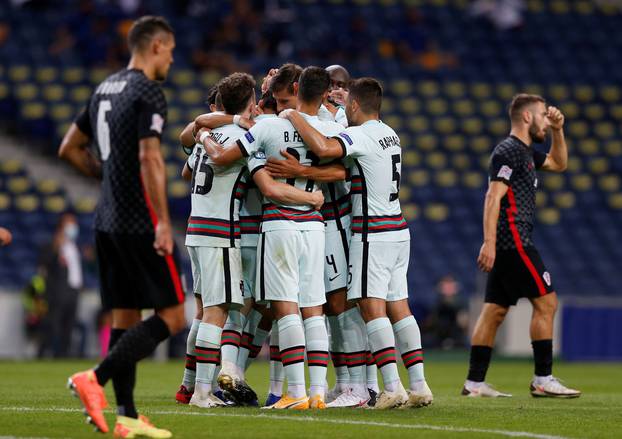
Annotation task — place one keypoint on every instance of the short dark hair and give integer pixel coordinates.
(144, 29)
(235, 91)
(368, 94)
(268, 102)
(285, 77)
(314, 81)
(520, 101)
(211, 95)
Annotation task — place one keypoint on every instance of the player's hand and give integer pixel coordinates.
(246, 123)
(339, 96)
(330, 107)
(486, 258)
(286, 114)
(163, 243)
(265, 85)
(556, 118)
(317, 199)
(201, 131)
(288, 168)
(5, 237)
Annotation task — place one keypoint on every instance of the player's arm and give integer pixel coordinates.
(186, 172)
(284, 193)
(216, 120)
(492, 205)
(74, 149)
(221, 156)
(319, 144)
(557, 158)
(188, 135)
(153, 173)
(291, 168)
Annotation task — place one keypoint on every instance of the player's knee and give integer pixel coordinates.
(174, 318)
(546, 306)
(496, 315)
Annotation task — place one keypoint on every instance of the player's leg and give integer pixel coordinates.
(124, 382)
(277, 373)
(253, 316)
(261, 334)
(279, 283)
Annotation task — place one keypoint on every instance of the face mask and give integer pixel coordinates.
(71, 231)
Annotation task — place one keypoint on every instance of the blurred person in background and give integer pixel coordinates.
(5, 237)
(448, 321)
(61, 268)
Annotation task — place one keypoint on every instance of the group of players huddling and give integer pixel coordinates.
(295, 233)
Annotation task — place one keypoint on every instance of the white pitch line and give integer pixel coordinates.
(508, 433)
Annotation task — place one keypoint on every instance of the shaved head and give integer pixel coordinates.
(339, 77)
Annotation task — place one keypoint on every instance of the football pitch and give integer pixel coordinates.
(35, 403)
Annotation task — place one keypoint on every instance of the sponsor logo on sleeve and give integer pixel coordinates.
(249, 137)
(346, 138)
(505, 172)
(157, 123)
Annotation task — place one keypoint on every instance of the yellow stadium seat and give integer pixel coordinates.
(4, 91)
(490, 108)
(594, 111)
(98, 74)
(34, 110)
(182, 77)
(454, 143)
(5, 201)
(404, 192)
(565, 200)
(454, 89)
(461, 161)
(575, 164)
(46, 74)
(578, 128)
(615, 201)
(445, 125)
(394, 122)
(535, 6)
(388, 106)
(401, 87)
(605, 130)
(53, 92)
(437, 107)
(436, 160)
(27, 203)
(172, 171)
(570, 110)
(481, 144)
(581, 182)
(210, 78)
(505, 91)
(85, 204)
(609, 183)
(616, 111)
(598, 165)
(446, 178)
(427, 142)
(173, 132)
(410, 211)
(179, 189)
(484, 161)
(610, 93)
(80, 94)
(192, 96)
(472, 126)
(499, 127)
(19, 73)
(549, 216)
(405, 139)
(558, 92)
(463, 107)
(534, 89)
(428, 89)
(541, 199)
(411, 158)
(409, 105)
(27, 91)
(73, 75)
(584, 7)
(553, 182)
(588, 147)
(18, 185)
(481, 90)
(419, 124)
(62, 112)
(419, 178)
(473, 180)
(48, 186)
(174, 116)
(614, 148)
(436, 212)
(55, 204)
(584, 93)
(180, 153)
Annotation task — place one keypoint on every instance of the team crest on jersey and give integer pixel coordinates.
(505, 172)
(157, 123)
(346, 137)
(249, 137)
(259, 155)
(547, 278)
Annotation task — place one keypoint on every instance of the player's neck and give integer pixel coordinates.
(307, 108)
(521, 135)
(139, 63)
(362, 118)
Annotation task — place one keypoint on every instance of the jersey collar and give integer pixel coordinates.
(520, 142)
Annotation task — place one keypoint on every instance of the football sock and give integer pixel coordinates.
(123, 382)
(277, 375)
(292, 347)
(408, 338)
(337, 352)
(382, 345)
(208, 356)
(252, 320)
(134, 345)
(191, 360)
(256, 345)
(317, 353)
(543, 357)
(231, 335)
(479, 362)
(355, 345)
(371, 372)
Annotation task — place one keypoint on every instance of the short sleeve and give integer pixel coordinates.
(352, 143)
(341, 117)
(83, 120)
(151, 112)
(250, 141)
(538, 158)
(256, 161)
(501, 168)
(192, 158)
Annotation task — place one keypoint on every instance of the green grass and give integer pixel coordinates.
(35, 403)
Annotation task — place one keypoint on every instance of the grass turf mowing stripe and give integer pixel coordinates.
(220, 413)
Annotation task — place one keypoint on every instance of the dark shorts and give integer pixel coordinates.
(517, 274)
(134, 276)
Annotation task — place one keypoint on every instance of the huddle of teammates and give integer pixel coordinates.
(296, 232)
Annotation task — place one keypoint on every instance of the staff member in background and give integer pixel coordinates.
(61, 266)
(5, 237)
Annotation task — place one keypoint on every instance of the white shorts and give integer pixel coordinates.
(379, 269)
(217, 275)
(336, 260)
(249, 269)
(290, 267)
